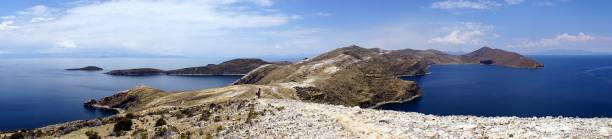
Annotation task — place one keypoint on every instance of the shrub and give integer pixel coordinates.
(252, 114)
(280, 108)
(186, 135)
(205, 115)
(140, 134)
(123, 125)
(217, 118)
(161, 132)
(18, 135)
(92, 134)
(160, 122)
(130, 116)
(219, 128)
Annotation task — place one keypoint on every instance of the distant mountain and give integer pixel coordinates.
(568, 52)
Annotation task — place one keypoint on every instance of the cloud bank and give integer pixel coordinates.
(154, 26)
(559, 40)
(468, 33)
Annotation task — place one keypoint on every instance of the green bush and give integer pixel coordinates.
(92, 134)
(217, 118)
(140, 134)
(123, 125)
(205, 115)
(186, 135)
(18, 135)
(160, 122)
(161, 132)
(130, 116)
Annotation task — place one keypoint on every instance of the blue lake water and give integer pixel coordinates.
(575, 86)
(38, 92)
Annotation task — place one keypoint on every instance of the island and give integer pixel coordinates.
(87, 68)
(327, 96)
(136, 72)
(238, 66)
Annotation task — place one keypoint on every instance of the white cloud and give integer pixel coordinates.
(545, 3)
(7, 25)
(322, 14)
(468, 33)
(459, 37)
(465, 4)
(67, 44)
(41, 19)
(37, 10)
(263, 2)
(514, 2)
(8, 17)
(153, 26)
(559, 40)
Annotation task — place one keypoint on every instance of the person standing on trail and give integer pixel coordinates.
(258, 93)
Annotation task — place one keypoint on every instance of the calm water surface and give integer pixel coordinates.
(38, 92)
(576, 86)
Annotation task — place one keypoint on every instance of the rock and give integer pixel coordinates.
(136, 72)
(90, 104)
(88, 68)
(486, 62)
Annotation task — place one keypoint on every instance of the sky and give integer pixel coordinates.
(252, 28)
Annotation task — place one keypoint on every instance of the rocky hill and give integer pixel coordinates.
(366, 73)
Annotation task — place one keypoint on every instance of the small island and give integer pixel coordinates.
(88, 68)
(136, 72)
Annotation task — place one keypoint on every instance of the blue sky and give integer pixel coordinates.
(251, 28)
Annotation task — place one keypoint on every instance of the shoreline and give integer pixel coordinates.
(375, 107)
(205, 74)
